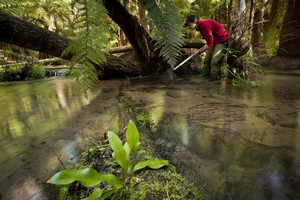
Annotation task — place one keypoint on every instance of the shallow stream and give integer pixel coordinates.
(236, 143)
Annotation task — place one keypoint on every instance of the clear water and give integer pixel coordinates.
(235, 143)
(43, 129)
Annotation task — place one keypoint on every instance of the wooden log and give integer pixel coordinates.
(34, 61)
(193, 43)
(188, 43)
(121, 49)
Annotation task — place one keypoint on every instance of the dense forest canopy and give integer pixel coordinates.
(84, 31)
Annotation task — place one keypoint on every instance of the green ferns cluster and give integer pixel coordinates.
(11, 6)
(89, 42)
(167, 30)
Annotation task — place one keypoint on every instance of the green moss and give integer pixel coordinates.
(160, 184)
(272, 39)
(144, 117)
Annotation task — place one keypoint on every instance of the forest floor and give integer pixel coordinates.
(278, 63)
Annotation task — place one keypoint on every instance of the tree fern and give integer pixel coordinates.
(167, 30)
(89, 43)
(45, 13)
(14, 7)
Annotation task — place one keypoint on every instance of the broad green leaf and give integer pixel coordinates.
(153, 164)
(132, 137)
(129, 169)
(106, 194)
(63, 177)
(127, 149)
(88, 177)
(117, 146)
(112, 180)
(95, 195)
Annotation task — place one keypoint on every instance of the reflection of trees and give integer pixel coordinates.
(28, 105)
(14, 108)
(62, 97)
(29, 110)
(220, 128)
(49, 129)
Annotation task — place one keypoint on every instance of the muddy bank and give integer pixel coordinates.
(278, 63)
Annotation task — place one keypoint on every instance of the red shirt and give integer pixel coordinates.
(212, 32)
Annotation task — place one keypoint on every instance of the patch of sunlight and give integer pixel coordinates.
(26, 104)
(180, 124)
(158, 107)
(16, 127)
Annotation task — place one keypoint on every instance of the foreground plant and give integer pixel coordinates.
(122, 153)
(126, 155)
(88, 177)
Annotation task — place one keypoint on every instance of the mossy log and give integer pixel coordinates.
(188, 43)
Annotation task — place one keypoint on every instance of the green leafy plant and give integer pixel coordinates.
(13, 73)
(125, 155)
(87, 177)
(37, 72)
(145, 118)
(239, 80)
(122, 152)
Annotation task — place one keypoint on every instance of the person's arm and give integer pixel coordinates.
(206, 33)
(205, 48)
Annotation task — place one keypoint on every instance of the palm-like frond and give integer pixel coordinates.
(167, 30)
(89, 44)
(14, 7)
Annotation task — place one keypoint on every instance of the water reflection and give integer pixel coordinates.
(237, 143)
(34, 138)
(230, 140)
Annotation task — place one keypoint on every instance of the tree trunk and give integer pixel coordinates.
(139, 39)
(230, 8)
(238, 30)
(142, 16)
(25, 34)
(271, 18)
(290, 32)
(256, 28)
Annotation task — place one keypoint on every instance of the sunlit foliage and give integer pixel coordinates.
(167, 28)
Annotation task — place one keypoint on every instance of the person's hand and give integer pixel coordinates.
(202, 49)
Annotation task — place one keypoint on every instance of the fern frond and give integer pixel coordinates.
(167, 30)
(15, 7)
(90, 42)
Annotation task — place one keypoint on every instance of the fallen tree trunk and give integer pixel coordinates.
(187, 44)
(25, 34)
(121, 49)
(35, 61)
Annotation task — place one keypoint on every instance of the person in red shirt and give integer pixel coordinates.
(216, 37)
